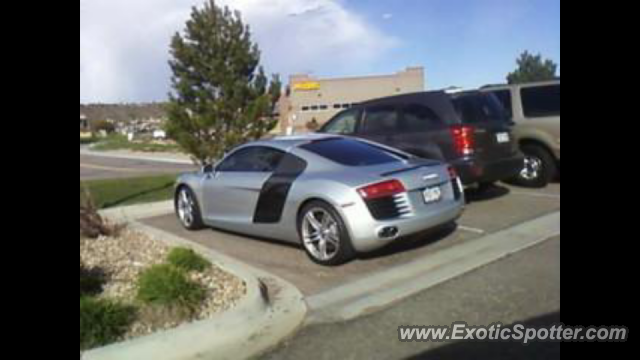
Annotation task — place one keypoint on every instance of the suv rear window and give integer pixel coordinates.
(350, 152)
(541, 101)
(504, 96)
(479, 108)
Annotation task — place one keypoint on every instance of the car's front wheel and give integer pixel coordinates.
(324, 235)
(539, 167)
(188, 210)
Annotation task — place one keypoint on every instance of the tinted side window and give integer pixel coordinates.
(252, 159)
(350, 152)
(541, 101)
(343, 124)
(504, 96)
(381, 120)
(419, 118)
(479, 108)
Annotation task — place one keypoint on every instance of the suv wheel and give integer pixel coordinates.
(539, 167)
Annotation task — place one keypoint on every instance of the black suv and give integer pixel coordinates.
(469, 130)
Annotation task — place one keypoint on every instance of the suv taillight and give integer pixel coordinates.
(383, 189)
(463, 139)
(453, 174)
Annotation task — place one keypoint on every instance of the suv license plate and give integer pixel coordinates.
(432, 194)
(503, 138)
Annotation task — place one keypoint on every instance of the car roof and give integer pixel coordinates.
(511, 86)
(285, 143)
(420, 97)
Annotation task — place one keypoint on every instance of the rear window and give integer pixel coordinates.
(541, 101)
(479, 108)
(350, 152)
(504, 96)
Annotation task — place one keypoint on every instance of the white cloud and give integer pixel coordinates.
(124, 44)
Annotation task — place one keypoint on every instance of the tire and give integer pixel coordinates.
(540, 168)
(335, 252)
(484, 187)
(195, 222)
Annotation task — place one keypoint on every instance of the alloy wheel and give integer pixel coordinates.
(532, 168)
(321, 234)
(186, 208)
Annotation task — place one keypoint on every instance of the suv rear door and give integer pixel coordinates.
(412, 127)
(492, 132)
(380, 123)
(422, 132)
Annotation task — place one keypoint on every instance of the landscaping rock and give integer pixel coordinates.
(125, 257)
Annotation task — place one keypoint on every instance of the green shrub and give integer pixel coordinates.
(87, 141)
(188, 260)
(167, 285)
(103, 322)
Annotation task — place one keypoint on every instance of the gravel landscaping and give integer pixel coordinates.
(123, 258)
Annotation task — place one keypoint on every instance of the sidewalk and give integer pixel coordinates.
(524, 287)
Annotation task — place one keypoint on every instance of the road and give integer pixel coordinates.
(524, 287)
(98, 167)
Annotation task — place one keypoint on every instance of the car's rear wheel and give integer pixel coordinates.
(188, 209)
(324, 235)
(539, 167)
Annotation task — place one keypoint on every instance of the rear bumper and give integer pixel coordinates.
(473, 171)
(365, 231)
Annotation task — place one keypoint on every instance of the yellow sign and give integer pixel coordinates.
(306, 86)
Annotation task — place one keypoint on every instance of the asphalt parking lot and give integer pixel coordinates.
(97, 167)
(505, 206)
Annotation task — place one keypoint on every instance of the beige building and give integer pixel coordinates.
(310, 102)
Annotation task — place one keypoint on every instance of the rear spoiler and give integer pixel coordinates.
(396, 172)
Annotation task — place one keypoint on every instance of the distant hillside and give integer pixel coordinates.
(122, 112)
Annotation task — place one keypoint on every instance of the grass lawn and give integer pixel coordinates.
(120, 192)
(87, 141)
(120, 142)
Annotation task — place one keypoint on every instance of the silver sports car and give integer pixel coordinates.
(334, 195)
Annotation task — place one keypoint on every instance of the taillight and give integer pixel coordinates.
(463, 139)
(455, 183)
(453, 174)
(383, 189)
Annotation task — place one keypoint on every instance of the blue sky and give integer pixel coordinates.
(469, 43)
(466, 43)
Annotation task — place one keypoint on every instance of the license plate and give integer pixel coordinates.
(503, 138)
(432, 194)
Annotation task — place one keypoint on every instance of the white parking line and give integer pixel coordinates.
(472, 229)
(538, 195)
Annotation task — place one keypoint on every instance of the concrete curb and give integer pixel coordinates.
(272, 310)
(132, 156)
(380, 290)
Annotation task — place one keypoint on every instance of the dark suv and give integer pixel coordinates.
(469, 130)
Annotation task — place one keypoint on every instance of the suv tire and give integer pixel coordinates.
(540, 167)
